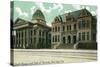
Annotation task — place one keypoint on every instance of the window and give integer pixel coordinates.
(83, 24)
(58, 28)
(55, 29)
(70, 27)
(87, 24)
(87, 35)
(74, 26)
(94, 36)
(55, 38)
(63, 28)
(83, 35)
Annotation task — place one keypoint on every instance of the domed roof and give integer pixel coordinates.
(38, 15)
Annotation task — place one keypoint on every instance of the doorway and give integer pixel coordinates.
(74, 39)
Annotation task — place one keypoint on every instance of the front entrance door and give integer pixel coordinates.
(74, 39)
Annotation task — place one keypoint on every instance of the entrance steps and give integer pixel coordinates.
(65, 46)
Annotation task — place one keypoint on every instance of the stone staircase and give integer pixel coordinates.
(65, 46)
(78, 45)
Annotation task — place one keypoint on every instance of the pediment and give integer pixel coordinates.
(20, 21)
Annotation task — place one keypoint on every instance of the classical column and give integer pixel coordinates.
(19, 39)
(18, 45)
(23, 38)
(27, 37)
(16, 39)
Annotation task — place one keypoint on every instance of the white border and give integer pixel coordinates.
(5, 32)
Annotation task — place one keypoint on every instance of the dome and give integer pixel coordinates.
(38, 15)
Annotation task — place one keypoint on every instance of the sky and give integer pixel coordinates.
(25, 9)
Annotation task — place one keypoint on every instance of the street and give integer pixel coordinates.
(52, 56)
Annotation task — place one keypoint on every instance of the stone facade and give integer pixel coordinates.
(34, 34)
(73, 29)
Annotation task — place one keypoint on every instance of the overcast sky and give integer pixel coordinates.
(25, 9)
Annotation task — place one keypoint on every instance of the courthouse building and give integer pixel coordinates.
(74, 30)
(34, 34)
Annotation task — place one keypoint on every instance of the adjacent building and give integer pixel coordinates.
(74, 30)
(34, 34)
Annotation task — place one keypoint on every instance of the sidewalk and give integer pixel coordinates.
(57, 50)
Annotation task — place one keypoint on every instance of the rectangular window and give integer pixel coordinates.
(58, 29)
(87, 24)
(83, 35)
(55, 29)
(94, 36)
(74, 26)
(63, 28)
(87, 35)
(83, 23)
(70, 27)
(79, 36)
(53, 39)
